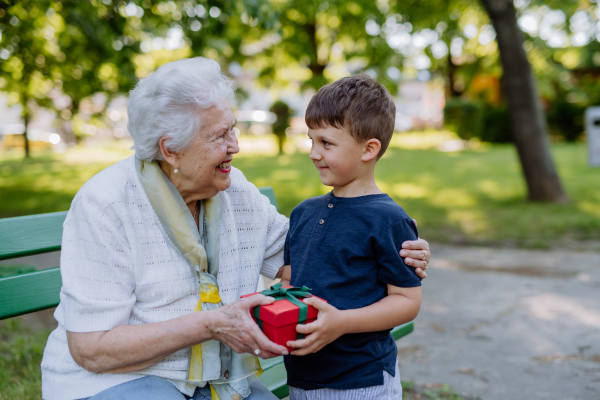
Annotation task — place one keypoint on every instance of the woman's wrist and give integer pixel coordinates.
(207, 321)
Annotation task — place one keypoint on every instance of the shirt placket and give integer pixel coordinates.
(324, 217)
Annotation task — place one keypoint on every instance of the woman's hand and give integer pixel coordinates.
(130, 348)
(417, 255)
(328, 327)
(235, 327)
(285, 274)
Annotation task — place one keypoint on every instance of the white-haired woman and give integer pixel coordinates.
(157, 250)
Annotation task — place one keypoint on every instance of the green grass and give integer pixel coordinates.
(469, 197)
(21, 350)
(410, 391)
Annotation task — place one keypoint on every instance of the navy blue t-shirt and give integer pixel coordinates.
(346, 250)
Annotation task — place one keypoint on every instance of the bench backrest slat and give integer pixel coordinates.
(29, 235)
(35, 234)
(23, 294)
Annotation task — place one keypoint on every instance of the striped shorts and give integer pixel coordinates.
(390, 390)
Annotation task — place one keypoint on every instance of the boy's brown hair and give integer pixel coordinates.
(359, 104)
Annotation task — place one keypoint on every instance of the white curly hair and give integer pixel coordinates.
(169, 102)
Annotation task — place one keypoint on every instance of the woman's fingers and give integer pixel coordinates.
(238, 330)
(420, 273)
(417, 255)
(416, 263)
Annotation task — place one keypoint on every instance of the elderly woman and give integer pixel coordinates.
(157, 250)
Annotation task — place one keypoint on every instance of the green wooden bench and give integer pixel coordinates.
(29, 292)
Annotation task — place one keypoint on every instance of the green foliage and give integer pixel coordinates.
(566, 119)
(466, 118)
(11, 270)
(478, 120)
(496, 124)
(21, 351)
(283, 113)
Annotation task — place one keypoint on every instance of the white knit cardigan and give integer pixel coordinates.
(118, 267)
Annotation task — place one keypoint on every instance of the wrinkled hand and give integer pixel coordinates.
(417, 255)
(235, 327)
(327, 328)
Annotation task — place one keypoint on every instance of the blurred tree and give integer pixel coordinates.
(98, 43)
(26, 54)
(282, 122)
(528, 122)
(71, 47)
(311, 42)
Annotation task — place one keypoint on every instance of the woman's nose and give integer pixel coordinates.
(233, 146)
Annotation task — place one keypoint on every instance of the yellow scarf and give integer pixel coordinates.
(228, 373)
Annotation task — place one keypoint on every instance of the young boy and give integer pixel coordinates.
(345, 245)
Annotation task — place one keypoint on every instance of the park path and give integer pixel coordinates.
(504, 324)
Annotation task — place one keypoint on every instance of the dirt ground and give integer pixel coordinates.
(501, 324)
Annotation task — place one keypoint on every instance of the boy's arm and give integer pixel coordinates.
(400, 306)
(285, 274)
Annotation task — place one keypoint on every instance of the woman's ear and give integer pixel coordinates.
(169, 156)
(371, 149)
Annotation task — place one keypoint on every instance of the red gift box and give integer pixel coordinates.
(278, 320)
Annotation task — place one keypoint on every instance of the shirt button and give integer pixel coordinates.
(330, 205)
(321, 222)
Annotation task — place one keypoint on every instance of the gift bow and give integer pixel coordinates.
(278, 292)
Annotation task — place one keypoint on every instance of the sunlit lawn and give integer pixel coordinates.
(473, 197)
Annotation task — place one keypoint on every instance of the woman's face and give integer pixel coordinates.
(204, 167)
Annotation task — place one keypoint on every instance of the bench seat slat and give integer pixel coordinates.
(274, 377)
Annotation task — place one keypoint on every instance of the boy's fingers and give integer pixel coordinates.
(316, 303)
(313, 348)
(308, 328)
(297, 344)
(415, 221)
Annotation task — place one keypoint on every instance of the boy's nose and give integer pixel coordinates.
(314, 155)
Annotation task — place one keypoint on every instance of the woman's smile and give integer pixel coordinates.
(225, 166)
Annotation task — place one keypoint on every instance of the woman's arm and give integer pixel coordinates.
(129, 348)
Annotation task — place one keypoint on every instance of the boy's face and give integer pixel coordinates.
(336, 155)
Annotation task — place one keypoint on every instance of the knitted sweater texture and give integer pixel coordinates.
(119, 267)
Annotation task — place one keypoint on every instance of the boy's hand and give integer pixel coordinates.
(328, 327)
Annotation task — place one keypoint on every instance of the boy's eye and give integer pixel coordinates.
(326, 142)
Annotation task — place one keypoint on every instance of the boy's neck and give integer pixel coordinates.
(361, 186)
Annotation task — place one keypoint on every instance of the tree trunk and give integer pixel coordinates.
(26, 124)
(452, 68)
(315, 67)
(527, 118)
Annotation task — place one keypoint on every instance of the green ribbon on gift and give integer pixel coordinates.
(292, 294)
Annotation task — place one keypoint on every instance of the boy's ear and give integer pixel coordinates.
(371, 149)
